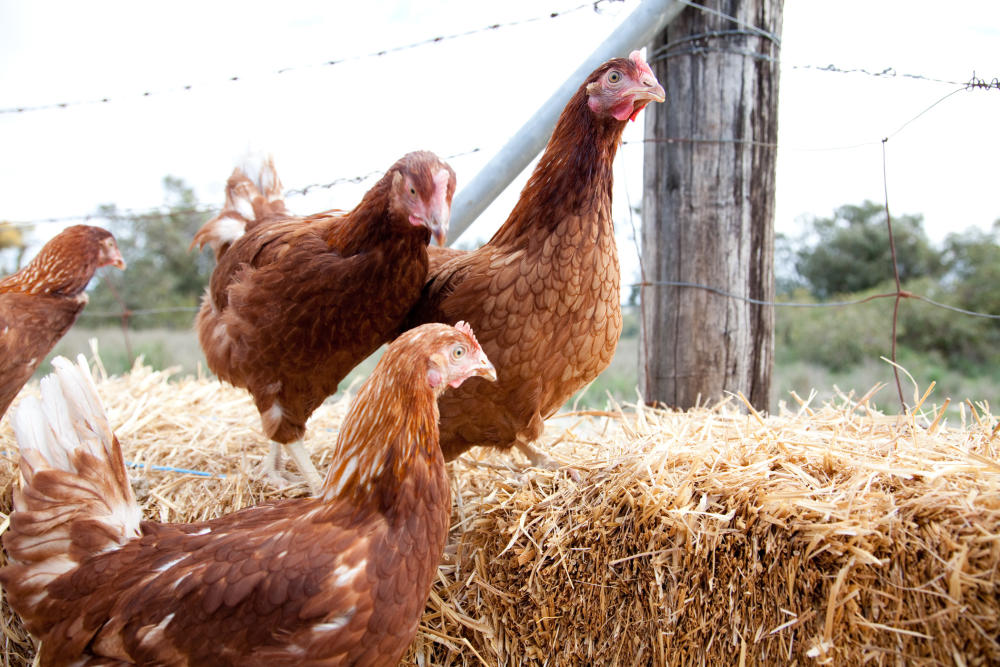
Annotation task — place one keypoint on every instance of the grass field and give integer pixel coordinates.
(162, 348)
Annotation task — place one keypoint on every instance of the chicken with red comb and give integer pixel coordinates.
(39, 303)
(543, 294)
(296, 302)
(338, 579)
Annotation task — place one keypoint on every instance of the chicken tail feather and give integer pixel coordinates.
(75, 498)
(253, 194)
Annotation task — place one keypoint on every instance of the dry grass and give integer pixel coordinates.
(827, 534)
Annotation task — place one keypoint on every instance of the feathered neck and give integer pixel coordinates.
(373, 222)
(573, 174)
(63, 267)
(390, 431)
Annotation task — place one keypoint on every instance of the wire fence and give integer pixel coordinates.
(438, 39)
(127, 316)
(974, 83)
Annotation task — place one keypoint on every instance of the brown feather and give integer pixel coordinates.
(341, 579)
(250, 200)
(39, 303)
(543, 293)
(295, 303)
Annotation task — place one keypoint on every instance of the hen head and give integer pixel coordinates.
(67, 262)
(451, 354)
(108, 253)
(421, 192)
(457, 356)
(622, 87)
(92, 246)
(396, 408)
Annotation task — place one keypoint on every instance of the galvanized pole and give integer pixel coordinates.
(636, 31)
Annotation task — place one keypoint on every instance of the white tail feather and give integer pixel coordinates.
(253, 193)
(68, 418)
(259, 170)
(73, 465)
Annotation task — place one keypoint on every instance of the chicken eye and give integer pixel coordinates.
(413, 190)
(614, 76)
(458, 352)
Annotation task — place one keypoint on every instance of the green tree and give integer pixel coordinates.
(972, 268)
(12, 244)
(971, 280)
(963, 342)
(850, 252)
(162, 273)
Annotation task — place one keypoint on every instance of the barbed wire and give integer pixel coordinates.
(363, 177)
(595, 4)
(760, 32)
(699, 140)
(116, 213)
(353, 180)
(207, 208)
(900, 295)
(976, 82)
(702, 50)
(642, 283)
(885, 73)
(973, 83)
(669, 50)
(805, 304)
(672, 50)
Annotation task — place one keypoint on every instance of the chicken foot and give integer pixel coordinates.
(298, 452)
(270, 468)
(540, 460)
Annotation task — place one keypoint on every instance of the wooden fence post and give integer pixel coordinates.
(708, 206)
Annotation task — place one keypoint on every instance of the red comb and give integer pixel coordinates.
(464, 327)
(641, 64)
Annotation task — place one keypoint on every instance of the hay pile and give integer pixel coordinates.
(825, 535)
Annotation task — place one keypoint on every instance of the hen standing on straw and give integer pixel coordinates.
(340, 579)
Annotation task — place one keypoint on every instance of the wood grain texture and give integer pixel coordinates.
(708, 211)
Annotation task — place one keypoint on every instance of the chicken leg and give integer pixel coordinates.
(270, 466)
(543, 461)
(305, 465)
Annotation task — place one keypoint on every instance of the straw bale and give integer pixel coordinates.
(830, 534)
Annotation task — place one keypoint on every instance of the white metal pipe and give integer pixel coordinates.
(635, 32)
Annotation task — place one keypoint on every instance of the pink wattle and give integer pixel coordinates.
(636, 112)
(623, 110)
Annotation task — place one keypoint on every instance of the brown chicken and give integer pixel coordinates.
(543, 294)
(339, 579)
(295, 303)
(39, 303)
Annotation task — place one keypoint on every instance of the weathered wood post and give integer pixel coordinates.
(708, 206)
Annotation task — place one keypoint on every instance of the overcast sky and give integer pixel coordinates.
(470, 93)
